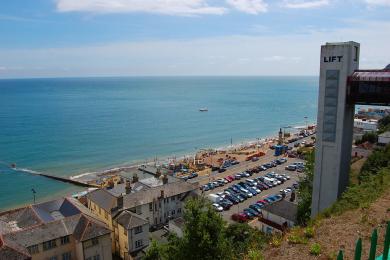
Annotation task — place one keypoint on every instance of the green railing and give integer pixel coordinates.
(374, 243)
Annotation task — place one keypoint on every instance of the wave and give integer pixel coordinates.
(25, 170)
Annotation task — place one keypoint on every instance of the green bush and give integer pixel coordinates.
(309, 232)
(315, 249)
(370, 137)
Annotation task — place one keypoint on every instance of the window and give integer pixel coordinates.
(172, 198)
(95, 241)
(49, 244)
(138, 243)
(356, 57)
(53, 258)
(173, 212)
(96, 257)
(138, 230)
(178, 210)
(64, 240)
(150, 207)
(66, 256)
(33, 249)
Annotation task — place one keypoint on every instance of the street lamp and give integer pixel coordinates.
(34, 192)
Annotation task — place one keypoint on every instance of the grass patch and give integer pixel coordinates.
(297, 236)
(358, 196)
(315, 249)
(309, 232)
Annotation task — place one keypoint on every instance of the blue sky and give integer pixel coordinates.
(63, 38)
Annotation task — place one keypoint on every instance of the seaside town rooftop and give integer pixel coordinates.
(24, 229)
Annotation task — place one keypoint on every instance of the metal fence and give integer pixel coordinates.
(373, 246)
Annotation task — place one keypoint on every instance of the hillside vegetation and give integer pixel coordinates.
(364, 206)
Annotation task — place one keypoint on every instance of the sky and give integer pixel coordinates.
(84, 38)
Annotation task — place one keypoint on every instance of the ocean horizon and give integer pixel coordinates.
(69, 126)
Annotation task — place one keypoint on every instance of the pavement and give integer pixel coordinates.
(294, 177)
(243, 166)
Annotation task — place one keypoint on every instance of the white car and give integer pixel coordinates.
(217, 207)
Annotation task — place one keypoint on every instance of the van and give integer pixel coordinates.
(214, 198)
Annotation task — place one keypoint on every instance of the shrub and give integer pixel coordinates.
(296, 236)
(315, 249)
(309, 232)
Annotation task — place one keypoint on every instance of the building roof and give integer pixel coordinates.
(11, 250)
(103, 198)
(179, 222)
(120, 189)
(171, 189)
(371, 75)
(130, 220)
(51, 220)
(385, 134)
(284, 209)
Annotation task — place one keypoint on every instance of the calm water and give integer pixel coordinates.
(71, 126)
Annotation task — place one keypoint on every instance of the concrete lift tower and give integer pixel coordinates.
(341, 86)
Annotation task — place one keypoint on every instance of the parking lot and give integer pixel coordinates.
(279, 169)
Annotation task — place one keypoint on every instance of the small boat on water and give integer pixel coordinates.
(204, 109)
(13, 165)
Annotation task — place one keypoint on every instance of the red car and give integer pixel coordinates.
(231, 178)
(228, 179)
(262, 201)
(239, 217)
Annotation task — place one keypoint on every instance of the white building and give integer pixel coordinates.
(384, 138)
(370, 125)
(130, 210)
(277, 217)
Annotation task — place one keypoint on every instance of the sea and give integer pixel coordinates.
(70, 126)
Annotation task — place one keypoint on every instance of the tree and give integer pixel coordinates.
(305, 191)
(384, 124)
(370, 137)
(204, 235)
(245, 239)
(154, 252)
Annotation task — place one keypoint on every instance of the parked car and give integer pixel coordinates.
(291, 167)
(251, 211)
(222, 169)
(255, 207)
(239, 217)
(217, 207)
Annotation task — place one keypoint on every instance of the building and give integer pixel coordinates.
(384, 138)
(373, 113)
(278, 217)
(62, 229)
(176, 226)
(131, 209)
(335, 119)
(370, 125)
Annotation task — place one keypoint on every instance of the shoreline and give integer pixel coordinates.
(115, 169)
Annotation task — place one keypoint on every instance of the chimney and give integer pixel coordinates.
(119, 202)
(128, 187)
(165, 179)
(135, 178)
(158, 173)
(162, 194)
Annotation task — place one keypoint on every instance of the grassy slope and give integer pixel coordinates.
(361, 209)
